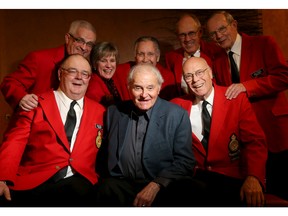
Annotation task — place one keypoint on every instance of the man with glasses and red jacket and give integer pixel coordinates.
(263, 76)
(37, 72)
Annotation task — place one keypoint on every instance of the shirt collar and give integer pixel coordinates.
(135, 113)
(210, 98)
(67, 101)
(196, 54)
(236, 48)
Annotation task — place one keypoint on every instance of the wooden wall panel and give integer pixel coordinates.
(25, 30)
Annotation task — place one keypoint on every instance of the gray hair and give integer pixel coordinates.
(148, 38)
(148, 67)
(76, 24)
(228, 16)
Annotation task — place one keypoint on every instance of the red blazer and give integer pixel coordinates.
(36, 147)
(231, 117)
(264, 73)
(168, 89)
(174, 60)
(98, 90)
(35, 74)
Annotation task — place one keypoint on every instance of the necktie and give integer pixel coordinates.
(69, 128)
(206, 118)
(70, 121)
(113, 90)
(234, 69)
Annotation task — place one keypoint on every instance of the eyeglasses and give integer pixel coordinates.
(220, 30)
(73, 72)
(189, 76)
(191, 34)
(81, 42)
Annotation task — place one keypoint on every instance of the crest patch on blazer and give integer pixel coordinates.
(99, 135)
(98, 139)
(233, 147)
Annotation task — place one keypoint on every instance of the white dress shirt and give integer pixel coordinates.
(195, 115)
(63, 103)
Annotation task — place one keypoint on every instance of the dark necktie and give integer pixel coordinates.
(70, 121)
(112, 88)
(234, 69)
(206, 118)
(69, 128)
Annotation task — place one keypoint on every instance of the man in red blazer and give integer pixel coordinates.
(263, 73)
(189, 34)
(37, 73)
(147, 50)
(36, 149)
(233, 164)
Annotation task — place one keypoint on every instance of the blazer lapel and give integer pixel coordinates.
(219, 114)
(198, 145)
(154, 124)
(85, 124)
(245, 54)
(123, 124)
(51, 111)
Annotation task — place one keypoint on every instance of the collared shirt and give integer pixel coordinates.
(195, 115)
(63, 103)
(130, 162)
(236, 49)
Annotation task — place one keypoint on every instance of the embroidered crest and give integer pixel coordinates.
(233, 147)
(99, 139)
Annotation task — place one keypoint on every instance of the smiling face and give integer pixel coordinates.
(189, 34)
(222, 31)
(146, 52)
(106, 66)
(81, 42)
(74, 75)
(144, 87)
(198, 77)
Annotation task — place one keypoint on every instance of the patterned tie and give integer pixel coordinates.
(206, 118)
(70, 121)
(234, 69)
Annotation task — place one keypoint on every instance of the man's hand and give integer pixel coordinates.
(147, 195)
(29, 102)
(234, 90)
(251, 191)
(4, 190)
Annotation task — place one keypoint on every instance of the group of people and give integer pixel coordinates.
(206, 129)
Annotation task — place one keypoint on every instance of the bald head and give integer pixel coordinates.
(198, 76)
